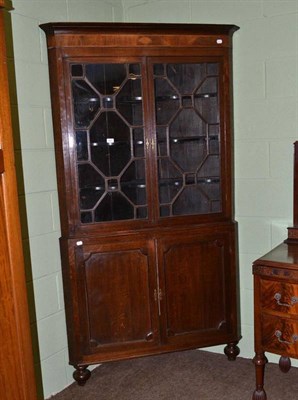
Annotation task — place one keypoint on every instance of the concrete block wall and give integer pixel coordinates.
(265, 120)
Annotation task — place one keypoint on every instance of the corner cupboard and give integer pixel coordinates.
(143, 134)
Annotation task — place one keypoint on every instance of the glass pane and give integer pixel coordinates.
(206, 101)
(82, 145)
(211, 188)
(107, 102)
(138, 142)
(170, 181)
(188, 138)
(165, 211)
(213, 145)
(142, 212)
(77, 70)
(106, 78)
(86, 217)
(91, 184)
(113, 207)
(135, 69)
(186, 77)
(209, 167)
(86, 103)
(167, 101)
(109, 135)
(159, 69)
(110, 144)
(191, 201)
(212, 69)
(129, 102)
(133, 183)
(162, 142)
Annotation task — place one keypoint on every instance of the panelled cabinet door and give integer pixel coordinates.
(194, 274)
(115, 292)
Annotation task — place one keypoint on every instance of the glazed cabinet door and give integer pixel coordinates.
(146, 139)
(191, 135)
(108, 154)
(113, 286)
(195, 271)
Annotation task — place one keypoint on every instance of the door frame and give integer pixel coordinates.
(17, 377)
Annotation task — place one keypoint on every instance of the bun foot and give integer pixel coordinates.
(284, 364)
(259, 395)
(81, 374)
(232, 351)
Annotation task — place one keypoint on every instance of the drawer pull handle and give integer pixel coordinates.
(294, 300)
(278, 334)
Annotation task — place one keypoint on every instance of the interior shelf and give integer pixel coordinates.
(138, 99)
(177, 140)
(140, 184)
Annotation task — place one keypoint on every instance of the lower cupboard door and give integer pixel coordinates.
(118, 313)
(197, 290)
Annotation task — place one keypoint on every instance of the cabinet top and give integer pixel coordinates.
(91, 34)
(153, 28)
(284, 256)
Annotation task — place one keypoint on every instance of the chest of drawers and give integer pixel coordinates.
(275, 310)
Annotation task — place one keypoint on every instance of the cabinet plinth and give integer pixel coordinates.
(143, 140)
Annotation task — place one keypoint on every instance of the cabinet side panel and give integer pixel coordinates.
(70, 300)
(61, 137)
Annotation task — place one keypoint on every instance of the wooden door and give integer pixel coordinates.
(114, 285)
(195, 270)
(17, 380)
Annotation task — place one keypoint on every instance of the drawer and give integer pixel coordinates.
(280, 335)
(279, 296)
